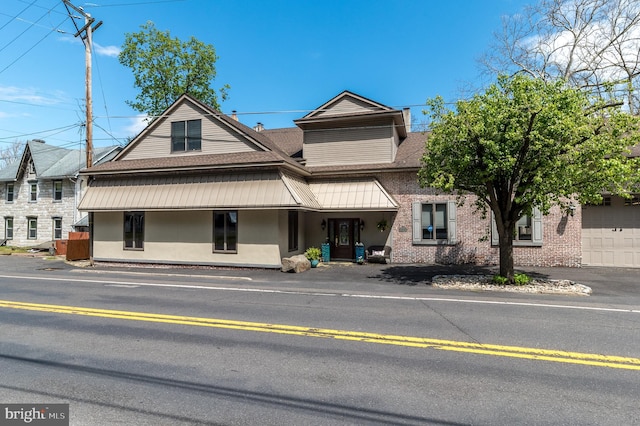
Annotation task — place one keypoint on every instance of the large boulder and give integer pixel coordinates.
(298, 263)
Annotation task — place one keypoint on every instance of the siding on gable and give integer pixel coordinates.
(216, 138)
(346, 106)
(363, 145)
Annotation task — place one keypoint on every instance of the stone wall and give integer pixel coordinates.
(44, 209)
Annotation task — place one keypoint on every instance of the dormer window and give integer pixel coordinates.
(186, 135)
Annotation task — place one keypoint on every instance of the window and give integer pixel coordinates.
(8, 228)
(225, 231)
(9, 192)
(134, 230)
(57, 228)
(57, 190)
(32, 228)
(186, 135)
(293, 230)
(528, 230)
(434, 223)
(33, 192)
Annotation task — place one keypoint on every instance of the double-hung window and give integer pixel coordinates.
(33, 192)
(57, 228)
(434, 222)
(134, 230)
(9, 192)
(186, 135)
(8, 228)
(57, 190)
(225, 231)
(32, 228)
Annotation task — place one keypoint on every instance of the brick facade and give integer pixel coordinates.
(561, 244)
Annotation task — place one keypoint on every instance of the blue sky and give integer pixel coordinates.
(281, 58)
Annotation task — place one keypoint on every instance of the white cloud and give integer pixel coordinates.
(111, 51)
(31, 95)
(137, 124)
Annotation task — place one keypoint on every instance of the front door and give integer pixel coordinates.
(342, 235)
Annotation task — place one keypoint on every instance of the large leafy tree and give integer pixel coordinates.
(528, 143)
(164, 68)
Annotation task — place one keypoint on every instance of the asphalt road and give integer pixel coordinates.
(339, 345)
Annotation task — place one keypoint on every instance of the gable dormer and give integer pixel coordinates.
(188, 128)
(351, 129)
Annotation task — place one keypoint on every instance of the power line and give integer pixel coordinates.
(19, 13)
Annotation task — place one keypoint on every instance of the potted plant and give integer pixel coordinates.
(313, 254)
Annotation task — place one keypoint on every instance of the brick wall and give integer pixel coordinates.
(561, 234)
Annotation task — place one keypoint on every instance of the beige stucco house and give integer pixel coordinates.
(199, 187)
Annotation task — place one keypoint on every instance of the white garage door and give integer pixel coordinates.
(611, 233)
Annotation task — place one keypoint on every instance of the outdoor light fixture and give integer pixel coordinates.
(572, 209)
(362, 225)
(323, 225)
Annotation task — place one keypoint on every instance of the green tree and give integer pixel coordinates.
(164, 68)
(528, 143)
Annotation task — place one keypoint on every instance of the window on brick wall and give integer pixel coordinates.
(434, 222)
(528, 230)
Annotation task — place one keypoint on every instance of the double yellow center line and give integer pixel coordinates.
(387, 339)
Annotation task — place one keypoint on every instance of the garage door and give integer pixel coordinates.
(611, 233)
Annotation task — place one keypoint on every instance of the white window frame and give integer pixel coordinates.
(57, 230)
(10, 195)
(33, 195)
(56, 192)
(451, 221)
(30, 220)
(8, 230)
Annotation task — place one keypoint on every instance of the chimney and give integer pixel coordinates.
(406, 114)
(258, 127)
(234, 115)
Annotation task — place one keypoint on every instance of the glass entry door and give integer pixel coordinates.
(343, 235)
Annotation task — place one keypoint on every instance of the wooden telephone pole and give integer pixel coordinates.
(85, 33)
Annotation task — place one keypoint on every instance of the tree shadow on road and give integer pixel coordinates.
(423, 274)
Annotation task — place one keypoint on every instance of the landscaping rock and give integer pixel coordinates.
(296, 264)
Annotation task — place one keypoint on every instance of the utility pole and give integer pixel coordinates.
(85, 34)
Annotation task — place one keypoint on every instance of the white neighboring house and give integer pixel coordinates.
(39, 194)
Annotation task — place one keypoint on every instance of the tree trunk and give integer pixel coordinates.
(506, 252)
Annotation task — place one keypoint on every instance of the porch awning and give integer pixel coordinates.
(249, 190)
(360, 194)
(235, 191)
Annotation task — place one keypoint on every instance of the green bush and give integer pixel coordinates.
(500, 280)
(521, 279)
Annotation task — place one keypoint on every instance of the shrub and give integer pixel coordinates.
(500, 280)
(521, 279)
(313, 253)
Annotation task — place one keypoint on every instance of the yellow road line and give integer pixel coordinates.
(609, 361)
